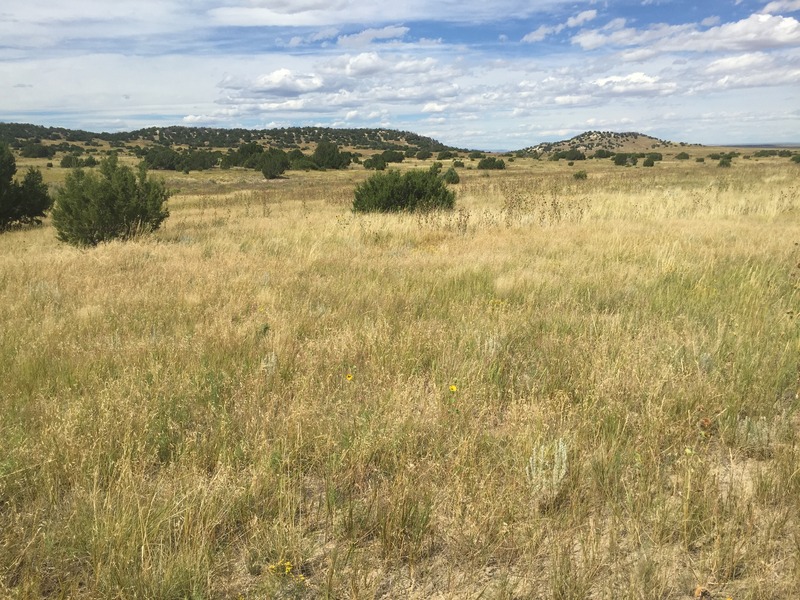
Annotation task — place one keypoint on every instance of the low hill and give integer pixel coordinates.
(591, 141)
(19, 134)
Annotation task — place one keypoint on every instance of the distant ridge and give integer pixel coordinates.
(612, 141)
(17, 134)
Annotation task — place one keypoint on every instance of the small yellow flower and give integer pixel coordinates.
(349, 377)
(454, 388)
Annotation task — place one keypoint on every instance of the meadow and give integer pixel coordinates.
(561, 389)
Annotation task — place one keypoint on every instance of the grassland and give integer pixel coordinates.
(562, 389)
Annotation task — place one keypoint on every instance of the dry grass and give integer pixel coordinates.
(274, 397)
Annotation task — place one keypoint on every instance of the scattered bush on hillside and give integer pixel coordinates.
(796, 158)
(476, 154)
(446, 155)
(458, 164)
(417, 190)
(423, 155)
(490, 162)
(724, 162)
(21, 203)
(580, 175)
(649, 162)
(114, 203)
(682, 156)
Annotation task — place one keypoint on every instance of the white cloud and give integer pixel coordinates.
(634, 84)
(285, 82)
(581, 18)
(368, 36)
(544, 31)
(782, 6)
(758, 31)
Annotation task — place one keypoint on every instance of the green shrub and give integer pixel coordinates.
(580, 175)
(424, 154)
(95, 207)
(274, 163)
(796, 158)
(648, 162)
(700, 160)
(682, 156)
(724, 162)
(20, 203)
(490, 162)
(376, 163)
(328, 156)
(411, 191)
(450, 176)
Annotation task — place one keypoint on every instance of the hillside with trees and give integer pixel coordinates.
(20, 135)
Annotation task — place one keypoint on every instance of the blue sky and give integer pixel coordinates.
(492, 75)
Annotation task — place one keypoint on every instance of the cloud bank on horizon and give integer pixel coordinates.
(500, 75)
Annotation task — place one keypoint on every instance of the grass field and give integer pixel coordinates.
(562, 389)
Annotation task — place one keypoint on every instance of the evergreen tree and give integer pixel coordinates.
(115, 203)
(20, 204)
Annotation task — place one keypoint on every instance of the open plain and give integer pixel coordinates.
(564, 388)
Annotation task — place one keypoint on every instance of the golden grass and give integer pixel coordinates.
(274, 397)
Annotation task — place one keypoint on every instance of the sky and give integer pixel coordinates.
(490, 75)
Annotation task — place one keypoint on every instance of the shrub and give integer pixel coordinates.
(476, 154)
(682, 156)
(328, 156)
(580, 175)
(648, 162)
(273, 163)
(393, 192)
(446, 155)
(724, 162)
(20, 203)
(393, 156)
(115, 203)
(70, 161)
(450, 176)
(490, 162)
(603, 154)
(377, 163)
(424, 154)
(458, 163)
(700, 159)
(796, 158)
